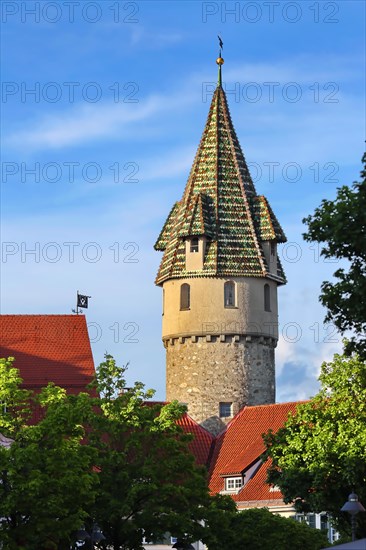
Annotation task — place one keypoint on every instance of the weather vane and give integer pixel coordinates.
(221, 44)
(220, 60)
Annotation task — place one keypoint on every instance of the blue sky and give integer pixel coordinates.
(103, 107)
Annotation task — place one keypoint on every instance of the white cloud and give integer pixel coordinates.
(98, 121)
(156, 39)
(298, 367)
(83, 124)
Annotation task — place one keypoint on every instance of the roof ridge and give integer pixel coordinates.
(82, 315)
(249, 407)
(227, 116)
(201, 428)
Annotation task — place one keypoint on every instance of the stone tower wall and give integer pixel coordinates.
(217, 354)
(204, 371)
(207, 313)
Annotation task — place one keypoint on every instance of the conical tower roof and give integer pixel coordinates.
(220, 202)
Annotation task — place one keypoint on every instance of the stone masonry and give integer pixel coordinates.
(204, 371)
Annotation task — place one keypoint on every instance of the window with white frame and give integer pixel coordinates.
(233, 483)
(310, 519)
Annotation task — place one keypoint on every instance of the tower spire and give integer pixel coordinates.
(220, 61)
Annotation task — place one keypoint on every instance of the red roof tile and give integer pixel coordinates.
(202, 441)
(241, 444)
(47, 348)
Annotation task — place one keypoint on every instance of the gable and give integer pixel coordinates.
(48, 348)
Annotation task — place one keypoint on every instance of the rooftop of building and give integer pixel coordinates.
(48, 348)
(238, 448)
(221, 204)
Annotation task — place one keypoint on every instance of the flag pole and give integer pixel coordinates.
(77, 302)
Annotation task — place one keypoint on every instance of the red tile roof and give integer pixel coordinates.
(48, 348)
(241, 444)
(202, 442)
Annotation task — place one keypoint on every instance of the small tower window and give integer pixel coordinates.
(229, 294)
(267, 298)
(225, 410)
(194, 244)
(185, 296)
(273, 248)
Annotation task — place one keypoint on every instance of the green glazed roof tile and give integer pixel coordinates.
(168, 227)
(220, 202)
(266, 222)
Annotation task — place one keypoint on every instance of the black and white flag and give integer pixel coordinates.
(83, 301)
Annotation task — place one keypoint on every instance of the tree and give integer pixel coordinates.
(259, 529)
(319, 456)
(341, 226)
(108, 456)
(149, 483)
(46, 477)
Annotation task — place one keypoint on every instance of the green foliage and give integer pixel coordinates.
(259, 529)
(219, 519)
(14, 401)
(46, 477)
(341, 226)
(320, 454)
(108, 457)
(148, 480)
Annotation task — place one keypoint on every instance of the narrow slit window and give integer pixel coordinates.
(185, 296)
(229, 294)
(194, 245)
(267, 298)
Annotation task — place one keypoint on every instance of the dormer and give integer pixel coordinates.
(270, 233)
(196, 230)
(270, 254)
(235, 482)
